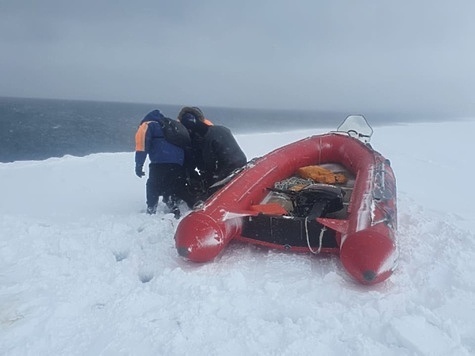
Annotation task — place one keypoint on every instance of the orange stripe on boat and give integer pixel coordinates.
(269, 208)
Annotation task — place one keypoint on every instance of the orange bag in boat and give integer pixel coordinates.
(321, 175)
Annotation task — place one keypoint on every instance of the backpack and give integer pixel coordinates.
(175, 133)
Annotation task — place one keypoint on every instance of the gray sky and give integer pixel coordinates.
(405, 55)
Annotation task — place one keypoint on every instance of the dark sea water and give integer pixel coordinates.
(37, 129)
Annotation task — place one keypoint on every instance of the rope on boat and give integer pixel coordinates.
(293, 181)
(320, 238)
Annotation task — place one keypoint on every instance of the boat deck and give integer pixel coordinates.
(284, 225)
(285, 201)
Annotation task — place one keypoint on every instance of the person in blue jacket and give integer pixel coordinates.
(166, 171)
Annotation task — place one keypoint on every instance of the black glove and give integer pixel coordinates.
(139, 171)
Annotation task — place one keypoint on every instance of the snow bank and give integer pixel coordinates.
(84, 271)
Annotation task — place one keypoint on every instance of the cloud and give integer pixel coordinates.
(340, 54)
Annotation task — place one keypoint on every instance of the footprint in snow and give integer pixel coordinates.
(145, 276)
(120, 255)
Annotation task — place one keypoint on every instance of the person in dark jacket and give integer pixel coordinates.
(215, 151)
(166, 170)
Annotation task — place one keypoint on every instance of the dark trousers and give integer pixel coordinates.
(169, 181)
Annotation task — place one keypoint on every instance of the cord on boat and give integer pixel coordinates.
(320, 238)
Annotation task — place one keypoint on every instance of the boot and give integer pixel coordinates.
(151, 210)
(176, 212)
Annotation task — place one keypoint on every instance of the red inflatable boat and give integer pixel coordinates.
(269, 205)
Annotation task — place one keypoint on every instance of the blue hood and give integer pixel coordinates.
(154, 115)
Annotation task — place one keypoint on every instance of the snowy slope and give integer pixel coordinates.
(83, 271)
